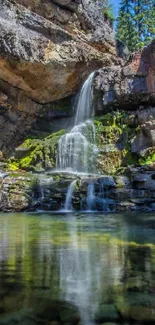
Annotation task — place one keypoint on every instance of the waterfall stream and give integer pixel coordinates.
(90, 197)
(68, 202)
(75, 148)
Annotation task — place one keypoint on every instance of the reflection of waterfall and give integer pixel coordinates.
(80, 274)
(76, 147)
(68, 202)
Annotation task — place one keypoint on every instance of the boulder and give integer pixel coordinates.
(145, 180)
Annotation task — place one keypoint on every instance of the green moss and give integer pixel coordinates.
(36, 154)
(114, 136)
(13, 165)
(25, 162)
(149, 158)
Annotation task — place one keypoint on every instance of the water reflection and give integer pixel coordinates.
(70, 269)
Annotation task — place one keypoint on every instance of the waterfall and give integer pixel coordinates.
(68, 201)
(85, 110)
(90, 197)
(76, 147)
(104, 195)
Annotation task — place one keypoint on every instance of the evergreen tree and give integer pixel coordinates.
(136, 23)
(126, 31)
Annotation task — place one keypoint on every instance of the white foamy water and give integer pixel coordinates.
(68, 202)
(74, 148)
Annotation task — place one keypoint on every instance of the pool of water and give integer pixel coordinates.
(77, 269)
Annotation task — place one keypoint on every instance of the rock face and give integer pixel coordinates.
(128, 92)
(84, 19)
(27, 192)
(42, 59)
(45, 54)
(128, 86)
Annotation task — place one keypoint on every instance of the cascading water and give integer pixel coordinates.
(76, 150)
(85, 110)
(90, 197)
(76, 147)
(68, 202)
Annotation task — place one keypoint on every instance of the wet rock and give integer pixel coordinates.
(22, 316)
(70, 315)
(137, 307)
(122, 181)
(107, 313)
(136, 284)
(107, 181)
(124, 206)
(16, 192)
(145, 180)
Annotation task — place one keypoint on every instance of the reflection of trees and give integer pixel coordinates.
(27, 262)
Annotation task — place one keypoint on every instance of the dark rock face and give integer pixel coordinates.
(128, 86)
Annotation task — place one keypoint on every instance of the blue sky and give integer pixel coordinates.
(115, 4)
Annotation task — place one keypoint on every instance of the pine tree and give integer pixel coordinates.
(136, 23)
(126, 31)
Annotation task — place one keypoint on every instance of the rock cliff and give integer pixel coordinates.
(129, 85)
(46, 50)
(126, 94)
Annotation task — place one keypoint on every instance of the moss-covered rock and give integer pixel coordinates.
(147, 157)
(36, 154)
(114, 137)
(16, 191)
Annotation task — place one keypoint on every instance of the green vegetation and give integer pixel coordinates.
(36, 154)
(114, 136)
(149, 158)
(136, 23)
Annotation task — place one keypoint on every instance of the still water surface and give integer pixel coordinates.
(77, 269)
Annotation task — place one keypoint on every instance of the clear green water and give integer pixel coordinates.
(89, 269)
